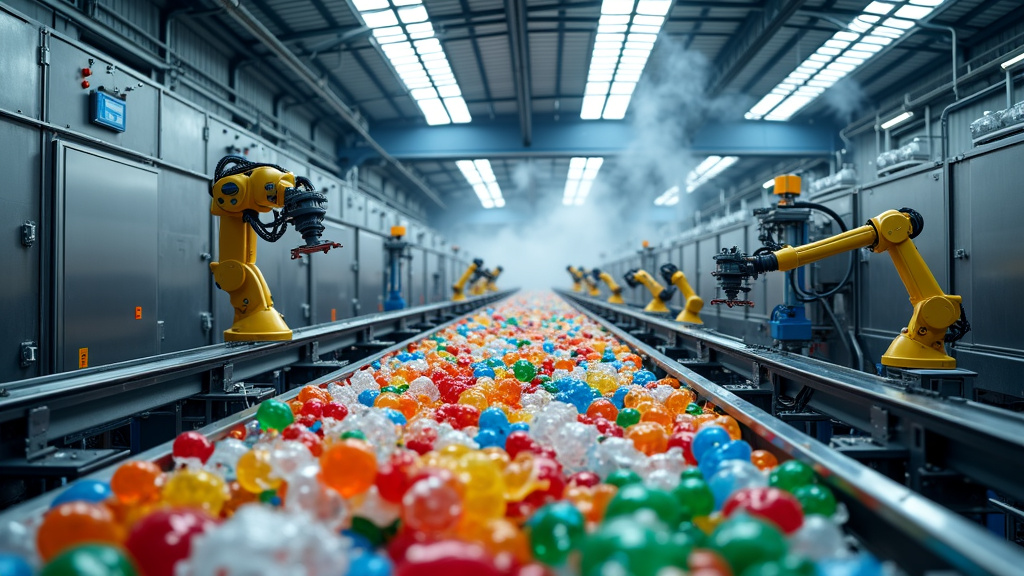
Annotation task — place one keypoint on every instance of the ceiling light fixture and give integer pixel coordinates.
(481, 178)
(842, 54)
(402, 30)
(626, 34)
(1012, 61)
(579, 180)
(897, 120)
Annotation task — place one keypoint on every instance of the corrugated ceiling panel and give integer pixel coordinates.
(498, 64)
(464, 65)
(575, 62)
(543, 62)
(378, 110)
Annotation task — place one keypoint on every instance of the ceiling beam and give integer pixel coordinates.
(751, 39)
(566, 138)
(520, 48)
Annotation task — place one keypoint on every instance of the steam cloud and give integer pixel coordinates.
(845, 100)
(669, 104)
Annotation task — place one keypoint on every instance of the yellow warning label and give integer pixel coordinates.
(83, 357)
(334, 314)
(138, 312)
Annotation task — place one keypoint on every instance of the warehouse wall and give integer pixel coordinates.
(118, 267)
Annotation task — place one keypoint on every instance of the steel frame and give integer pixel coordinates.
(37, 411)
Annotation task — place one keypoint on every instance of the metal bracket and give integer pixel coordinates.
(943, 383)
(880, 426)
(28, 233)
(206, 321)
(27, 353)
(222, 379)
(38, 426)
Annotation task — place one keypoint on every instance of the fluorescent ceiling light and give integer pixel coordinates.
(635, 23)
(380, 19)
(412, 15)
(879, 8)
(843, 54)
(392, 29)
(668, 197)
(579, 179)
(913, 12)
(617, 6)
(768, 184)
(1012, 61)
(366, 5)
(897, 120)
(479, 175)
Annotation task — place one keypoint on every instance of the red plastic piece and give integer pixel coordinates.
(85, 84)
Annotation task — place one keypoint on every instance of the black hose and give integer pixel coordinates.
(811, 296)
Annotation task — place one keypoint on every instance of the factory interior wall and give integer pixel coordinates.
(105, 223)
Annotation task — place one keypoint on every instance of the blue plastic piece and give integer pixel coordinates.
(495, 419)
(642, 377)
(619, 397)
(483, 371)
(83, 491)
(369, 564)
(11, 565)
(520, 427)
(395, 416)
(490, 438)
(367, 397)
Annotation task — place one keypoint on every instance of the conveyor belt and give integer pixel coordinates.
(37, 411)
(891, 519)
(934, 435)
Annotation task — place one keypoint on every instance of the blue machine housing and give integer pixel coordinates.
(790, 323)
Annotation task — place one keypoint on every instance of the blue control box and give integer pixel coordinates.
(107, 110)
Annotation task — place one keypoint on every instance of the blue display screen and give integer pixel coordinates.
(107, 111)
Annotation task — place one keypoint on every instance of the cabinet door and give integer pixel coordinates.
(106, 259)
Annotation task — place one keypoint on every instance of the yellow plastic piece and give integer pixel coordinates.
(693, 303)
(616, 290)
(922, 343)
(656, 305)
(787, 184)
(236, 273)
(398, 231)
(458, 289)
(577, 279)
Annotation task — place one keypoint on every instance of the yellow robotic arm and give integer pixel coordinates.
(492, 280)
(661, 295)
(459, 287)
(240, 192)
(613, 287)
(591, 283)
(922, 343)
(692, 303)
(577, 278)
